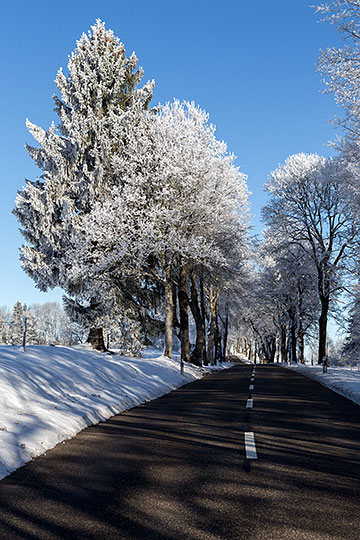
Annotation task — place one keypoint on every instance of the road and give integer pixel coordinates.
(176, 468)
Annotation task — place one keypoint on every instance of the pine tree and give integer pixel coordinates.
(98, 104)
(4, 325)
(16, 324)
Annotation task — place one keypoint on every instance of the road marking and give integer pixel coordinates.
(251, 387)
(250, 447)
(249, 403)
(252, 379)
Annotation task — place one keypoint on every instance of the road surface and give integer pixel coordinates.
(214, 460)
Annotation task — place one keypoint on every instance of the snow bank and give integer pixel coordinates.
(48, 394)
(343, 380)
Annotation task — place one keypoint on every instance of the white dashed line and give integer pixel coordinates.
(251, 387)
(250, 448)
(249, 403)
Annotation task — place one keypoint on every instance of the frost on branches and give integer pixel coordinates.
(308, 206)
(182, 210)
(341, 69)
(137, 212)
(98, 103)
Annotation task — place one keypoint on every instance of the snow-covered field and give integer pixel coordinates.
(48, 394)
(343, 380)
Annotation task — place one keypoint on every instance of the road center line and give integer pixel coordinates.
(249, 403)
(250, 447)
(251, 387)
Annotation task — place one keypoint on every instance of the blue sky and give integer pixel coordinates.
(249, 64)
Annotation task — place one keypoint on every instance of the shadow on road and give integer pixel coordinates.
(174, 468)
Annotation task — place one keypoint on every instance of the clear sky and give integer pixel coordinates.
(249, 64)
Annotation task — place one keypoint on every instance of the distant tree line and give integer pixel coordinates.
(307, 263)
(45, 324)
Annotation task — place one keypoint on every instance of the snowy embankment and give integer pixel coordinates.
(343, 380)
(48, 394)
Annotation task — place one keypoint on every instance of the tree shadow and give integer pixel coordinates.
(175, 468)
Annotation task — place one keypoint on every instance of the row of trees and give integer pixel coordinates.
(140, 214)
(309, 258)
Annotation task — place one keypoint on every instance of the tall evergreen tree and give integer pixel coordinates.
(98, 103)
(16, 324)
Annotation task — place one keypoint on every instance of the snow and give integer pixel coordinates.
(48, 394)
(343, 380)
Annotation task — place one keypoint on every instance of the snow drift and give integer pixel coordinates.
(48, 394)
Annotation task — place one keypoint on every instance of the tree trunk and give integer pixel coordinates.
(323, 328)
(184, 315)
(176, 323)
(211, 339)
(169, 314)
(198, 356)
(203, 313)
(292, 331)
(284, 344)
(217, 336)
(213, 296)
(301, 342)
(96, 339)
(226, 331)
(293, 341)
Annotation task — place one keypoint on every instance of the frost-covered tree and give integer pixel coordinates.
(98, 103)
(4, 325)
(308, 207)
(341, 69)
(341, 65)
(16, 323)
(288, 284)
(182, 208)
(54, 326)
(351, 348)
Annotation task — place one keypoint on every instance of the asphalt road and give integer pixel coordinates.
(176, 468)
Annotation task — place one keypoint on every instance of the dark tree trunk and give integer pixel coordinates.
(301, 342)
(226, 331)
(203, 313)
(176, 323)
(198, 356)
(96, 339)
(292, 329)
(283, 344)
(211, 340)
(169, 314)
(293, 341)
(323, 328)
(272, 349)
(184, 315)
(217, 337)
